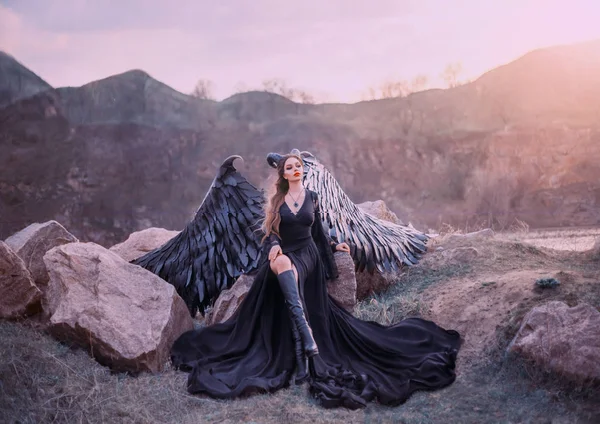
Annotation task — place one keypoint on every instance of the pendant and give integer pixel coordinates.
(295, 204)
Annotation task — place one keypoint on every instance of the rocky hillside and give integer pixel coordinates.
(17, 82)
(128, 152)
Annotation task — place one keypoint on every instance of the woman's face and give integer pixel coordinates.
(292, 169)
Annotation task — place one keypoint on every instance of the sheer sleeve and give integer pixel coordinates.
(325, 244)
(272, 240)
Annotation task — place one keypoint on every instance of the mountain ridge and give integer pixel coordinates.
(128, 152)
(17, 81)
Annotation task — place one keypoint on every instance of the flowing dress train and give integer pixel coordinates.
(358, 362)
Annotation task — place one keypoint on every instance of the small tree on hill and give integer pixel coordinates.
(279, 86)
(203, 90)
(395, 89)
(451, 73)
(419, 83)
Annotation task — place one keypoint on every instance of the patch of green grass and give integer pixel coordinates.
(404, 298)
(387, 310)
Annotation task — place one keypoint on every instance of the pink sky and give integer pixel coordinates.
(335, 49)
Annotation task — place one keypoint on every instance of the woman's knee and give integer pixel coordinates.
(281, 263)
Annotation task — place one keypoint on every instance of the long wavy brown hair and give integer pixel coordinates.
(276, 199)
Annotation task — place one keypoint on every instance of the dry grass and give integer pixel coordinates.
(571, 239)
(404, 299)
(575, 239)
(42, 380)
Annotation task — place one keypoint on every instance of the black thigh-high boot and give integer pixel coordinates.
(301, 359)
(289, 288)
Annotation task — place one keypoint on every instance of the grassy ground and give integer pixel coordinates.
(573, 239)
(42, 380)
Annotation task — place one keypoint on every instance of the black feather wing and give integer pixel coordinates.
(217, 246)
(375, 243)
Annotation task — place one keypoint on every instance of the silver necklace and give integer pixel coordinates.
(295, 199)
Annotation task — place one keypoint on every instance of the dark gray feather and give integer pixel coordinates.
(217, 246)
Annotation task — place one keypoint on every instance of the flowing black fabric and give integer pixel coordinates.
(358, 361)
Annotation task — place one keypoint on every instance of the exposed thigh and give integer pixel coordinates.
(283, 263)
(280, 263)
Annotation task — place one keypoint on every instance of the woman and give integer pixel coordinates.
(352, 362)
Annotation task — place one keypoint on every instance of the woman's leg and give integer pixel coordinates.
(286, 274)
(301, 374)
(283, 263)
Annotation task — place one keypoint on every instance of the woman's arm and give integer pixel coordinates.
(324, 243)
(272, 240)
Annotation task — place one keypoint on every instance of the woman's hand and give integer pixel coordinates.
(342, 247)
(274, 252)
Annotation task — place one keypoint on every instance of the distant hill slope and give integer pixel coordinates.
(126, 152)
(132, 97)
(17, 82)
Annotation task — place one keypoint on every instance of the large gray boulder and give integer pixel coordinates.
(142, 242)
(19, 296)
(367, 283)
(32, 243)
(563, 340)
(343, 289)
(126, 316)
(379, 209)
(230, 300)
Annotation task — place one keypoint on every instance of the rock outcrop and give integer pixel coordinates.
(343, 289)
(141, 242)
(32, 243)
(229, 300)
(563, 340)
(127, 317)
(460, 255)
(379, 209)
(19, 296)
(367, 283)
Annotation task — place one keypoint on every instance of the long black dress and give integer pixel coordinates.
(358, 361)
